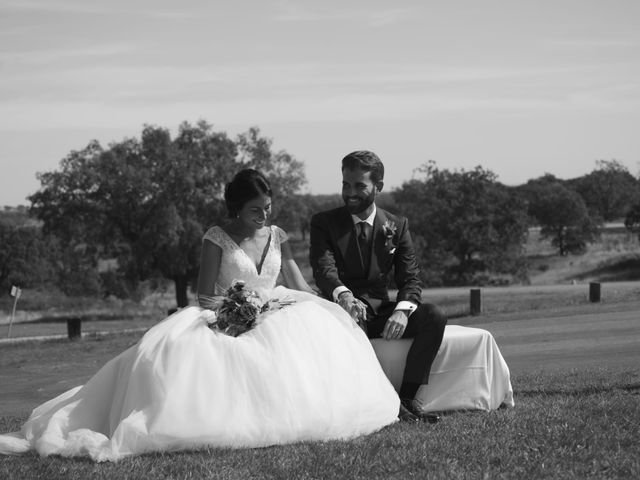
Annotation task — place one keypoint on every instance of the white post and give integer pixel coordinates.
(15, 293)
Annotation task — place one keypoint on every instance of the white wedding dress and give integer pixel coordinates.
(305, 372)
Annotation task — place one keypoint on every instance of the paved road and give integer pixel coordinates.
(607, 339)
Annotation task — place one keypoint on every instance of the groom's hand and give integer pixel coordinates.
(396, 325)
(354, 307)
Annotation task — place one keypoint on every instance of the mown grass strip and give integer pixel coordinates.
(558, 429)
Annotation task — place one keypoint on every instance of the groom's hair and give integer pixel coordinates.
(367, 162)
(245, 186)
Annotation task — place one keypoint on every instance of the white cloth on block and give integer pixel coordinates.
(468, 373)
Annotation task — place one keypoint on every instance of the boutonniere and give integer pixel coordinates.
(389, 229)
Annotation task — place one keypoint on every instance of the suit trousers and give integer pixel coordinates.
(426, 327)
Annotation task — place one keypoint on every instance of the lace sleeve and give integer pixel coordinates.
(214, 236)
(280, 235)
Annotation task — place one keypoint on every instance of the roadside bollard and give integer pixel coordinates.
(74, 328)
(475, 302)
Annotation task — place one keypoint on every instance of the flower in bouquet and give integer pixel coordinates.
(237, 310)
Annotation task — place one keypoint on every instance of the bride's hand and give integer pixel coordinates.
(277, 303)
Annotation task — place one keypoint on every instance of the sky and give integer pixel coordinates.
(521, 88)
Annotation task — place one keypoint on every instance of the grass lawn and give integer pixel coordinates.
(574, 366)
(577, 424)
(573, 418)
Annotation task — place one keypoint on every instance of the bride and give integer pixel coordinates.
(304, 372)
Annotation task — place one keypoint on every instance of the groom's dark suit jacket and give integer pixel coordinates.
(336, 258)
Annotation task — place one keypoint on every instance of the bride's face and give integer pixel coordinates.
(255, 212)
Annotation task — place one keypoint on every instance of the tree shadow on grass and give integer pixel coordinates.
(85, 317)
(623, 269)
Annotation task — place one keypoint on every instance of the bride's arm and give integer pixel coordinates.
(291, 273)
(209, 270)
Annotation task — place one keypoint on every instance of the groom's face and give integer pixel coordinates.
(358, 190)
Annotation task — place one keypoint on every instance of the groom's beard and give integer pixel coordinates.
(362, 205)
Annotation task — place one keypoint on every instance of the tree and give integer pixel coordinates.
(294, 215)
(24, 256)
(608, 191)
(76, 270)
(145, 201)
(17, 216)
(562, 215)
(148, 201)
(464, 224)
(632, 219)
(285, 173)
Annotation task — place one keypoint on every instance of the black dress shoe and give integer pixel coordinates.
(412, 414)
(406, 415)
(431, 417)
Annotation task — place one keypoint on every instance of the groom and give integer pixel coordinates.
(353, 251)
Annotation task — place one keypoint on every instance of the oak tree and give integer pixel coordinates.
(466, 225)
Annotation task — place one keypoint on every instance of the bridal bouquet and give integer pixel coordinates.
(237, 310)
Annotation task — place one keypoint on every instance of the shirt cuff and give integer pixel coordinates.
(337, 291)
(405, 305)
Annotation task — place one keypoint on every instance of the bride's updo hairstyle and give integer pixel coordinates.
(245, 186)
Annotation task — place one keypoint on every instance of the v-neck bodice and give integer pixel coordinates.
(235, 264)
(263, 253)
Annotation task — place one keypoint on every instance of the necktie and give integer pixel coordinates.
(363, 231)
